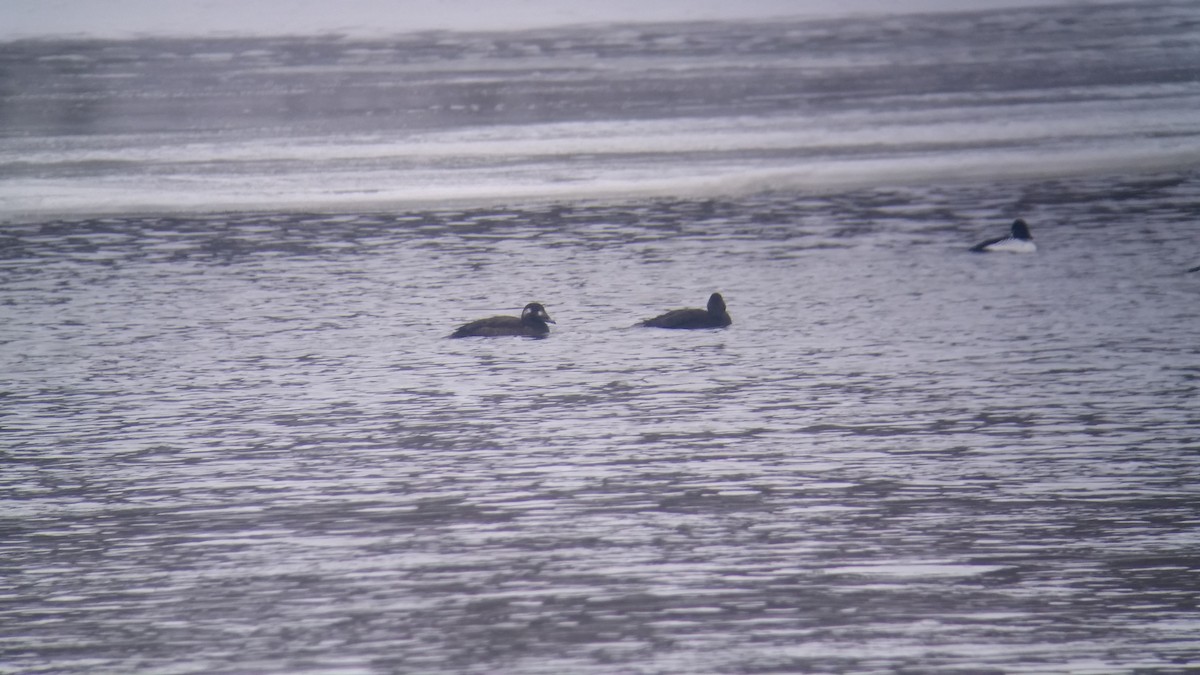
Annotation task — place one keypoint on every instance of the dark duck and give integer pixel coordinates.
(1018, 241)
(532, 323)
(714, 317)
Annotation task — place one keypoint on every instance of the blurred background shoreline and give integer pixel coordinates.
(328, 123)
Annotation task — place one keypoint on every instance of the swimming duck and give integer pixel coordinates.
(1020, 241)
(531, 324)
(714, 317)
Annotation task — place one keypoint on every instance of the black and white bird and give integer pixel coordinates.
(1019, 241)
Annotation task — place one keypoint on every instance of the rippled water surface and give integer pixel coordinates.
(243, 443)
(235, 438)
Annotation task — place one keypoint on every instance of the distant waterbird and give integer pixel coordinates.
(1018, 241)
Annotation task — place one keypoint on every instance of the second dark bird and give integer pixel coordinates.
(716, 316)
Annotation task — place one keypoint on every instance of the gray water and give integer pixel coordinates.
(235, 438)
(340, 125)
(243, 443)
